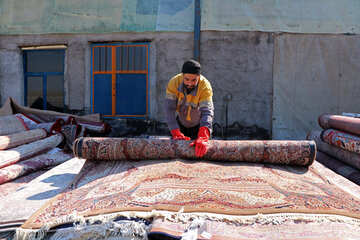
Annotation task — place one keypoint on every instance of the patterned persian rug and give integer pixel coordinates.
(279, 152)
(350, 158)
(14, 155)
(342, 140)
(48, 159)
(17, 139)
(182, 190)
(344, 123)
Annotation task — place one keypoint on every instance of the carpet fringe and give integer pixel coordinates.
(104, 225)
(123, 228)
(31, 234)
(275, 219)
(97, 227)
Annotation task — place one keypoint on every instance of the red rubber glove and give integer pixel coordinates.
(177, 135)
(201, 143)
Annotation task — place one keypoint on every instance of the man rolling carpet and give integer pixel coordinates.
(188, 107)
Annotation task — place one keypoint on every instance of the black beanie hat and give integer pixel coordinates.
(191, 66)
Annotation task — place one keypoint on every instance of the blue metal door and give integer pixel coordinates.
(131, 94)
(102, 94)
(120, 80)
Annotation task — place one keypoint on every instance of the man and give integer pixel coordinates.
(188, 107)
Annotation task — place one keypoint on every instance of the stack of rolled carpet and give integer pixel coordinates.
(338, 144)
(24, 151)
(31, 142)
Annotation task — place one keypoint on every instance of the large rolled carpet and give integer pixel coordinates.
(342, 139)
(14, 155)
(344, 123)
(48, 159)
(17, 139)
(278, 152)
(350, 158)
(12, 124)
(182, 189)
(339, 167)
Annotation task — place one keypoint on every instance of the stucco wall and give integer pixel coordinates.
(239, 64)
(236, 63)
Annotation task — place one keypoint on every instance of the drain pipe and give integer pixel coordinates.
(197, 27)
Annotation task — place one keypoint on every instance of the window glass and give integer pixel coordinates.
(118, 58)
(35, 92)
(45, 61)
(137, 58)
(131, 58)
(124, 59)
(55, 92)
(108, 59)
(143, 58)
(96, 59)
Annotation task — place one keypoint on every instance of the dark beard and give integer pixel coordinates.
(188, 89)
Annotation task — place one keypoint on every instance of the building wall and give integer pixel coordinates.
(238, 64)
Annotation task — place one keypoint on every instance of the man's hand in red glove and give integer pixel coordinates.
(177, 135)
(201, 143)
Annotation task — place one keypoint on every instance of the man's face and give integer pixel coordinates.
(190, 80)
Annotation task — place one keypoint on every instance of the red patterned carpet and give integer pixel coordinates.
(350, 158)
(342, 140)
(231, 189)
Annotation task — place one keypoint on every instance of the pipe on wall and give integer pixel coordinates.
(197, 27)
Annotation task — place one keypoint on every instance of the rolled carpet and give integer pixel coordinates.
(341, 139)
(344, 123)
(50, 118)
(339, 167)
(352, 159)
(50, 158)
(278, 152)
(95, 127)
(12, 124)
(50, 128)
(17, 139)
(14, 155)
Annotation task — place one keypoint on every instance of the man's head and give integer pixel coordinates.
(191, 71)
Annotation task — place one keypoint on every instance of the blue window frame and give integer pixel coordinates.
(44, 79)
(120, 80)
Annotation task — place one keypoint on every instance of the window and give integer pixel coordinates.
(44, 78)
(120, 79)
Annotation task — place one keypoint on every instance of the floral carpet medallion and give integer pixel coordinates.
(193, 187)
